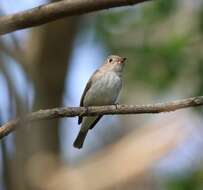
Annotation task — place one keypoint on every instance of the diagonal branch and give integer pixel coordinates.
(53, 11)
(100, 110)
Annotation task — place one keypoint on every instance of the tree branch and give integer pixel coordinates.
(100, 110)
(53, 11)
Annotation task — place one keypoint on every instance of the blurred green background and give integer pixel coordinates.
(48, 66)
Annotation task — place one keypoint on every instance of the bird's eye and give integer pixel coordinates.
(110, 60)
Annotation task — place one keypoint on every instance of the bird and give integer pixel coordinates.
(102, 88)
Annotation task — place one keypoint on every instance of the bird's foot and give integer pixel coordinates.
(116, 105)
(84, 112)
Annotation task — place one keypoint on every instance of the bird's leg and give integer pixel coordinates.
(116, 105)
(85, 111)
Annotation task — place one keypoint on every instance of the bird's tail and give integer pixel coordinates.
(78, 143)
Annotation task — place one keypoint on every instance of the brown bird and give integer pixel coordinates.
(102, 89)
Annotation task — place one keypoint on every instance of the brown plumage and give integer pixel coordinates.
(102, 89)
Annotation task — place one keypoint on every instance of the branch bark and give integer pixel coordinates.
(53, 11)
(100, 110)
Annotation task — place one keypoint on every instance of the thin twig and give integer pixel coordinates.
(53, 11)
(100, 110)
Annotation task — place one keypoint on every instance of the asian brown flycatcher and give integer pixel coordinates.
(102, 89)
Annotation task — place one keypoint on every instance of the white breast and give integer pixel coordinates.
(104, 91)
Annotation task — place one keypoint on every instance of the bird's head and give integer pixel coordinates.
(115, 63)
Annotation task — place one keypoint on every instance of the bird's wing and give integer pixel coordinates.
(87, 87)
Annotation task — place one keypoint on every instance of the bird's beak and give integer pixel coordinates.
(123, 59)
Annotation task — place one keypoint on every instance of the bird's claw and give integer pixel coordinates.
(116, 105)
(85, 111)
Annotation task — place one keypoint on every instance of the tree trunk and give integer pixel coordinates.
(48, 51)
